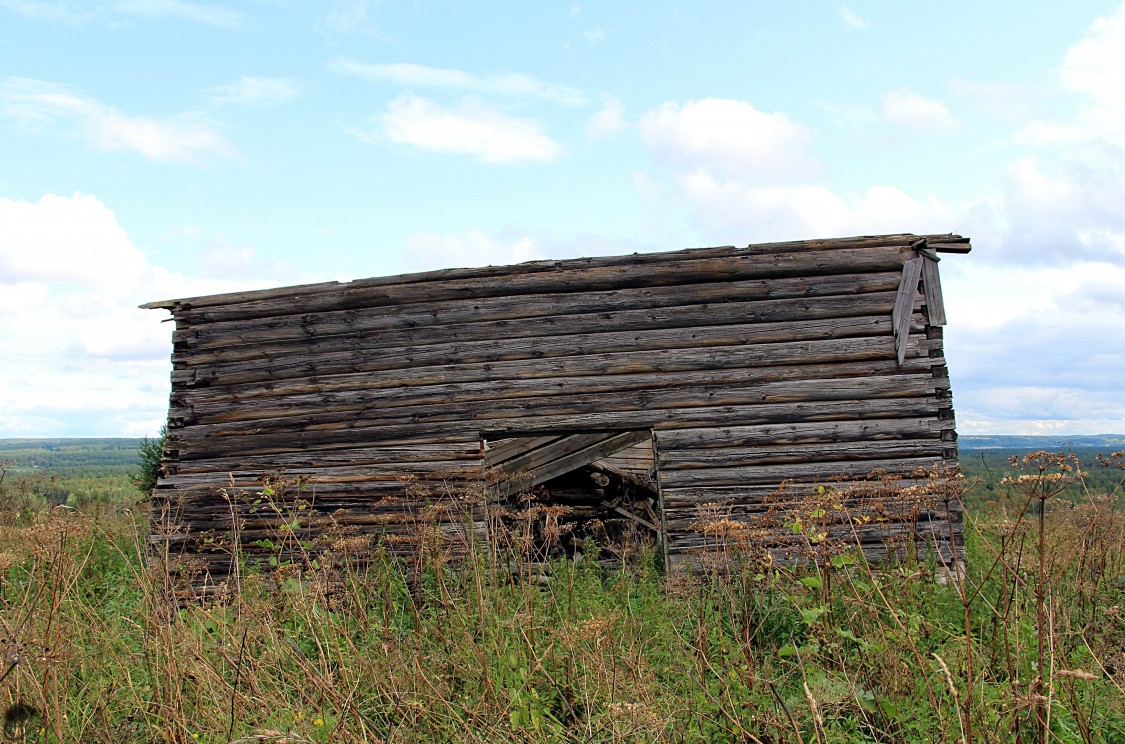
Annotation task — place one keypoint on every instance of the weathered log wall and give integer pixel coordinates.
(752, 366)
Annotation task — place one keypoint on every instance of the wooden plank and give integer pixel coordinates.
(381, 356)
(280, 399)
(931, 287)
(763, 495)
(577, 273)
(796, 391)
(451, 366)
(322, 476)
(360, 432)
(801, 434)
(765, 474)
(947, 242)
(258, 413)
(737, 456)
(774, 296)
(244, 344)
(569, 278)
(907, 291)
(506, 449)
(561, 446)
(289, 462)
(904, 303)
(541, 472)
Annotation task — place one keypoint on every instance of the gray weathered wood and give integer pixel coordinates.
(904, 303)
(390, 398)
(931, 286)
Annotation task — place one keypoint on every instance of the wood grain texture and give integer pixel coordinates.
(388, 398)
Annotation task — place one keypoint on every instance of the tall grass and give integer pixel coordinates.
(339, 641)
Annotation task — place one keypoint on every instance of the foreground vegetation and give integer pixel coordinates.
(1028, 644)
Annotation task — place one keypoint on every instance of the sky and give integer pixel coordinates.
(152, 149)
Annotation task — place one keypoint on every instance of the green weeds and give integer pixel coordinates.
(341, 642)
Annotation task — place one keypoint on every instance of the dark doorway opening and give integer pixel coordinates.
(561, 490)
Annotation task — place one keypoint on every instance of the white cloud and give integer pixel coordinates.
(739, 174)
(1027, 345)
(848, 115)
(251, 90)
(471, 129)
(514, 245)
(211, 15)
(39, 105)
(475, 248)
(511, 85)
(594, 35)
(917, 112)
(346, 16)
(1094, 68)
(79, 357)
(80, 12)
(1064, 213)
(725, 210)
(1012, 103)
(729, 137)
(65, 239)
(67, 12)
(1096, 64)
(609, 119)
(1063, 198)
(851, 19)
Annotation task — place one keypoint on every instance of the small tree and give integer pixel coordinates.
(149, 453)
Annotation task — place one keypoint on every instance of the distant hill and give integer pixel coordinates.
(1106, 442)
(73, 456)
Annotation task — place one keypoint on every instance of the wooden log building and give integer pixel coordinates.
(647, 388)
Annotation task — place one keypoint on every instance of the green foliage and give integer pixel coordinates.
(90, 458)
(316, 647)
(985, 469)
(149, 453)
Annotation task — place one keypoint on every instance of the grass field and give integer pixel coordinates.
(1027, 645)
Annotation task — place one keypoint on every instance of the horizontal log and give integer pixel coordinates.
(281, 399)
(447, 370)
(565, 278)
(949, 241)
(792, 488)
(763, 504)
(531, 316)
(925, 533)
(363, 433)
(801, 434)
(734, 457)
(255, 418)
(844, 389)
(373, 358)
(294, 461)
(758, 475)
(320, 476)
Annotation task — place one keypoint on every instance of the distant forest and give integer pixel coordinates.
(72, 458)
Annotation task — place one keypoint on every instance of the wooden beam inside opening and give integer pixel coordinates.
(548, 460)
